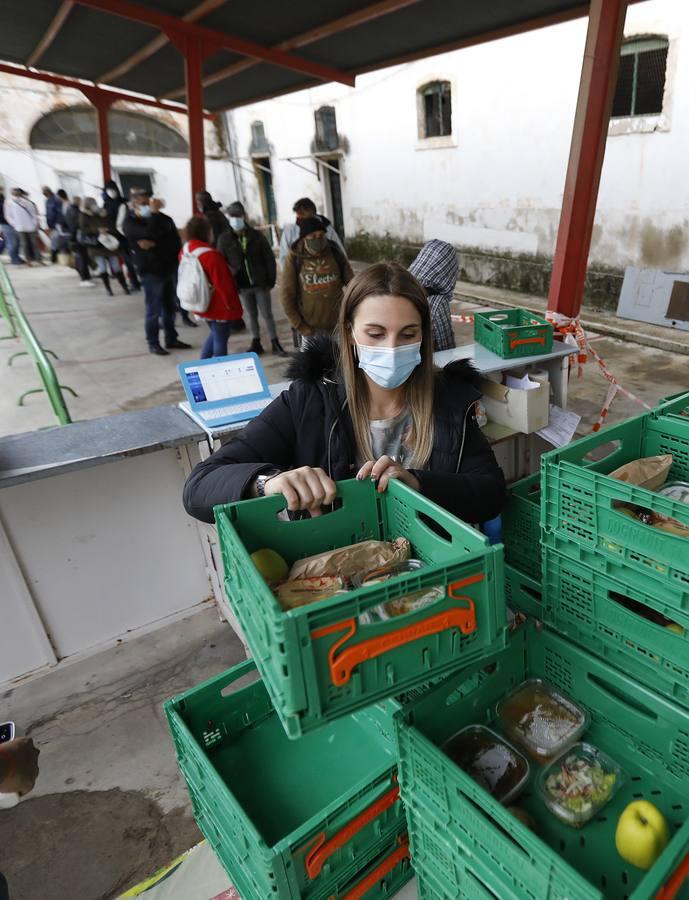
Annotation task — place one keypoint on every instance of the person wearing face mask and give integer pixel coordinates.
(155, 244)
(251, 259)
(305, 208)
(313, 280)
(367, 404)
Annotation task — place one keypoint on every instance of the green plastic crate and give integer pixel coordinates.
(513, 333)
(577, 498)
(522, 593)
(645, 733)
(675, 405)
(521, 527)
(318, 661)
(626, 622)
(286, 819)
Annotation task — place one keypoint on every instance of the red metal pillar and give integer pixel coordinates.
(596, 91)
(102, 102)
(194, 50)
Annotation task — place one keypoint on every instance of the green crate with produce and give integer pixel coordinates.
(313, 818)
(621, 521)
(373, 636)
(524, 812)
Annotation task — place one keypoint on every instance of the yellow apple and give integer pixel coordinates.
(673, 626)
(271, 565)
(642, 834)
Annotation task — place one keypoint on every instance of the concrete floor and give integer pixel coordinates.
(102, 351)
(109, 806)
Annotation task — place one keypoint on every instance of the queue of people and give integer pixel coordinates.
(132, 241)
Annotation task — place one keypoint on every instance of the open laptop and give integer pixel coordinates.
(225, 389)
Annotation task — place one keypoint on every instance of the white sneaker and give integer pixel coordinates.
(88, 283)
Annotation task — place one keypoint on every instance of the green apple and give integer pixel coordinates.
(673, 626)
(271, 565)
(642, 834)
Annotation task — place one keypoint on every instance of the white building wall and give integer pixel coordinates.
(498, 183)
(23, 102)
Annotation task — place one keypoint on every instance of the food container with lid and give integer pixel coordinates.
(579, 783)
(541, 719)
(488, 758)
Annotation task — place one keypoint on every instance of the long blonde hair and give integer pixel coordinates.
(394, 280)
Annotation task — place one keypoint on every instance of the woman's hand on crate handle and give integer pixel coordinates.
(303, 488)
(385, 468)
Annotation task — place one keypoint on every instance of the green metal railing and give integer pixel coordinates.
(19, 326)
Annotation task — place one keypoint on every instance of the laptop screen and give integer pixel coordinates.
(224, 380)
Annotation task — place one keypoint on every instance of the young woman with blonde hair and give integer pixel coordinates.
(368, 403)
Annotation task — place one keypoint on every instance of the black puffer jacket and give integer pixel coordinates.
(310, 425)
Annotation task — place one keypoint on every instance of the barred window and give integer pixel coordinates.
(641, 78)
(259, 143)
(326, 129)
(436, 109)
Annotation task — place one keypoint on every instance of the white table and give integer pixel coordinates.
(486, 362)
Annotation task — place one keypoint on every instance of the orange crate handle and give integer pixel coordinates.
(517, 342)
(341, 666)
(323, 849)
(669, 890)
(372, 879)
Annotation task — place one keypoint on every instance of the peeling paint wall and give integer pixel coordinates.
(495, 184)
(23, 102)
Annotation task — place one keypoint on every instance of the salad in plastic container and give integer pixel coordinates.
(489, 760)
(579, 783)
(541, 719)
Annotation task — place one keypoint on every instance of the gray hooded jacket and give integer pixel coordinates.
(436, 268)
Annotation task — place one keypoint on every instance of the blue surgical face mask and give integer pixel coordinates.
(145, 211)
(389, 367)
(236, 223)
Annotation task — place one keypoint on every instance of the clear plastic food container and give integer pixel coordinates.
(541, 719)
(493, 763)
(579, 783)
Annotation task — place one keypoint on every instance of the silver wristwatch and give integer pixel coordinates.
(261, 481)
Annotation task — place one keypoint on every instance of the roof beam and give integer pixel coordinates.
(545, 21)
(111, 94)
(51, 32)
(335, 26)
(198, 12)
(217, 40)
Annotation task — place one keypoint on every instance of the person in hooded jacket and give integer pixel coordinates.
(369, 404)
(101, 243)
(313, 280)
(436, 268)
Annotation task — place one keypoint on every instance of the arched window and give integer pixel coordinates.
(641, 77)
(75, 128)
(435, 109)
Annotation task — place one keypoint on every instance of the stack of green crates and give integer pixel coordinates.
(521, 531)
(607, 586)
(465, 844)
(293, 778)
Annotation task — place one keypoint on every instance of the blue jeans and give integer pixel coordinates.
(11, 243)
(216, 342)
(159, 294)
